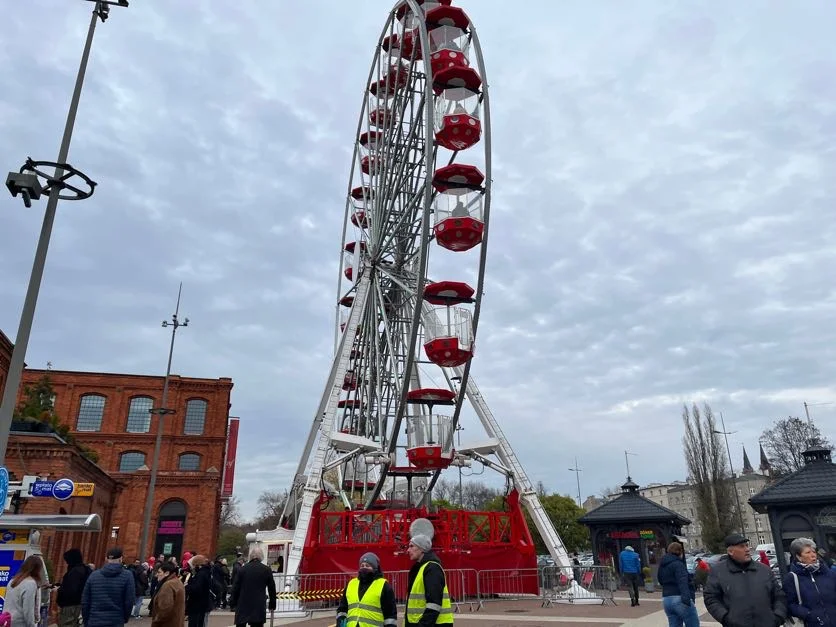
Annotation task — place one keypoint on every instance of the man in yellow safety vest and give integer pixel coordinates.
(428, 603)
(368, 600)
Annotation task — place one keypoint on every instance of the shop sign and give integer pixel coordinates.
(647, 534)
(826, 517)
(170, 528)
(624, 535)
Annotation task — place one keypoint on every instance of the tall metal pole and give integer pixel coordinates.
(627, 462)
(807, 411)
(27, 315)
(160, 411)
(731, 470)
(577, 472)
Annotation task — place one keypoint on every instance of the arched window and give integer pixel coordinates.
(131, 460)
(90, 412)
(189, 461)
(139, 414)
(195, 417)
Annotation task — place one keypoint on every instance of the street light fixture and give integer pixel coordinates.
(26, 183)
(577, 472)
(726, 435)
(161, 412)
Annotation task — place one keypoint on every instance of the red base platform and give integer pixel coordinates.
(464, 540)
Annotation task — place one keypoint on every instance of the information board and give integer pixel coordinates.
(12, 555)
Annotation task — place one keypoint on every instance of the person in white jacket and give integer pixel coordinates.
(23, 595)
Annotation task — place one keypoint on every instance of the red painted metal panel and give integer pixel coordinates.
(464, 540)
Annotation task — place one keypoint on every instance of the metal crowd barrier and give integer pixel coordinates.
(304, 594)
(588, 585)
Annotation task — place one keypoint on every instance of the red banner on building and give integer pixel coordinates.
(229, 463)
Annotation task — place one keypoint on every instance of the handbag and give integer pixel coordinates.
(790, 620)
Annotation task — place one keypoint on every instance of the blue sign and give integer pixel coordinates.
(42, 488)
(63, 489)
(4, 487)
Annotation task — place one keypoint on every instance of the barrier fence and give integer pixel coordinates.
(468, 588)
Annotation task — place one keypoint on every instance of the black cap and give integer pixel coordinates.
(115, 553)
(735, 539)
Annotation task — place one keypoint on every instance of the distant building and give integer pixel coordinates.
(679, 496)
(109, 413)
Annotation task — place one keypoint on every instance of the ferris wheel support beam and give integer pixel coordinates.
(322, 426)
(528, 495)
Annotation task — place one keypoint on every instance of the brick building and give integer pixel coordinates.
(47, 455)
(109, 413)
(5, 356)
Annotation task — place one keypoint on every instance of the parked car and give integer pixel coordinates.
(690, 564)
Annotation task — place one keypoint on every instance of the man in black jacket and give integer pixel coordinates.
(741, 592)
(71, 587)
(253, 586)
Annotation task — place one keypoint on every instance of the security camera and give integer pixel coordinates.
(26, 185)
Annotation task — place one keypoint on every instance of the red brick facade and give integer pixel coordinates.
(5, 357)
(198, 491)
(193, 493)
(47, 456)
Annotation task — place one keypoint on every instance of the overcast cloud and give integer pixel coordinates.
(663, 213)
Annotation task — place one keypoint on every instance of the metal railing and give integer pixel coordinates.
(468, 587)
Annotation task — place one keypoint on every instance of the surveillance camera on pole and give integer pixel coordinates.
(30, 183)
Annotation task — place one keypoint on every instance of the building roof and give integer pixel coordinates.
(632, 507)
(814, 483)
(5, 341)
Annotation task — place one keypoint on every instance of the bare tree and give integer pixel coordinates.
(610, 492)
(786, 441)
(270, 505)
(713, 484)
(476, 495)
(231, 512)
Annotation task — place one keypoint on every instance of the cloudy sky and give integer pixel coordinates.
(662, 232)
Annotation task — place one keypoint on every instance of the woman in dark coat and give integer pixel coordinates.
(199, 592)
(253, 585)
(816, 585)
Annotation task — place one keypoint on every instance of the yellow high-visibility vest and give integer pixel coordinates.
(365, 612)
(416, 602)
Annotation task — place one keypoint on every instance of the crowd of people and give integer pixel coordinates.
(113, 594)
(740, 590)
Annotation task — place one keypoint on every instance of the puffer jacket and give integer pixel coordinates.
(673, 577)
(817, 606)
(744, 595)
(108, 597)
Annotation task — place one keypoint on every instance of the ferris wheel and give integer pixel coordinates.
(410, 284)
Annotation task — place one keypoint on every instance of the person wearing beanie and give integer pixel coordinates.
(428, 602)
(368, 600)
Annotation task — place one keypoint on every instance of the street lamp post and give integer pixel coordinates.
(160, 411)
(26, 183)
(726, 435)
(577, 472)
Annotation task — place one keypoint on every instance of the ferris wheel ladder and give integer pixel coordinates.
(505, 452)
(528, 495)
